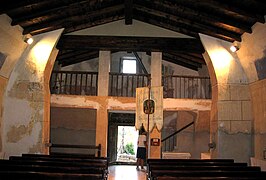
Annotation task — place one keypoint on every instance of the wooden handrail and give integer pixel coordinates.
(178, 131)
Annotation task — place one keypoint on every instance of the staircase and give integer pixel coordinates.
(169, 144)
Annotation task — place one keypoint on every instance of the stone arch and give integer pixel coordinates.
(235, 113)
(26, 103)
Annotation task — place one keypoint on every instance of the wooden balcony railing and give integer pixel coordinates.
(125, 85)
(192, 87)
(74, 83)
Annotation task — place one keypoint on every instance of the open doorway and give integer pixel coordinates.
(122, 138)
(127, 144)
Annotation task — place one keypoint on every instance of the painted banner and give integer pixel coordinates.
(152, 108)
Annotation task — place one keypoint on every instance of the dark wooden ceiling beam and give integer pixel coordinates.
(201, 28)
(165, 23)
(128, 12)
(37, 7)
(99, 21)
(257, 6)
(62, 11)
(181, 59)
(181, 62)
(189, 57)
(189, 13)
(73, 20)
(19, 4)
(80, 58)
(129, 43)
(217, 7)
(71, 54)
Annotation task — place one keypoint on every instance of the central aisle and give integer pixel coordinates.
(125, 172)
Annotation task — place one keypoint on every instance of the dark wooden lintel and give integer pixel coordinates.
(129, 43)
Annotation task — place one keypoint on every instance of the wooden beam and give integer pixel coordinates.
(10, 6)
(73, 54)
(73, 20)
(165, 23)
(61, 11)
(180, 60)
(165, 58)
(200, 28)
(197, 59)
(192, 14)
(129, 43)
(79, 58)
(217, 7)
(128, 12)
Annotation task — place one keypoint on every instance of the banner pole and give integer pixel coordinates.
(148, 128)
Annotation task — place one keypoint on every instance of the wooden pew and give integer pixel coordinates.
(188, 160)
(37, 166)
(203, 167)
(200, 169)
(95, 166)
(62, 155)
(206, 178)
(32, 175)
(155, 174)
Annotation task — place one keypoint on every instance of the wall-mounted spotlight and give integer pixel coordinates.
(28, 40)
(234, 48)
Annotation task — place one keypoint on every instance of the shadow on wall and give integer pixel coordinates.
(260, 65)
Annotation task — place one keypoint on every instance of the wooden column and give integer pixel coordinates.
(102, 114)
(103, 76)
(156, 80)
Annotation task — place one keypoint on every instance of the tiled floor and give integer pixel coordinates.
(125, 172)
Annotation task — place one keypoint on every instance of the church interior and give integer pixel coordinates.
(193, 73)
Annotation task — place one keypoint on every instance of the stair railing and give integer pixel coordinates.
(169, 142)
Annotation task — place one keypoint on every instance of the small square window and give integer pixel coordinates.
(129, 66)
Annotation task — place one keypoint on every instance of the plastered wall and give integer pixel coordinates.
(252, 54)
(231, 114)
(73, 126)
(119, 104)
(12, 46)
(26, 101)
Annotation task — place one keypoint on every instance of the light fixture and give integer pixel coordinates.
(234, 48)
(28, 40)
